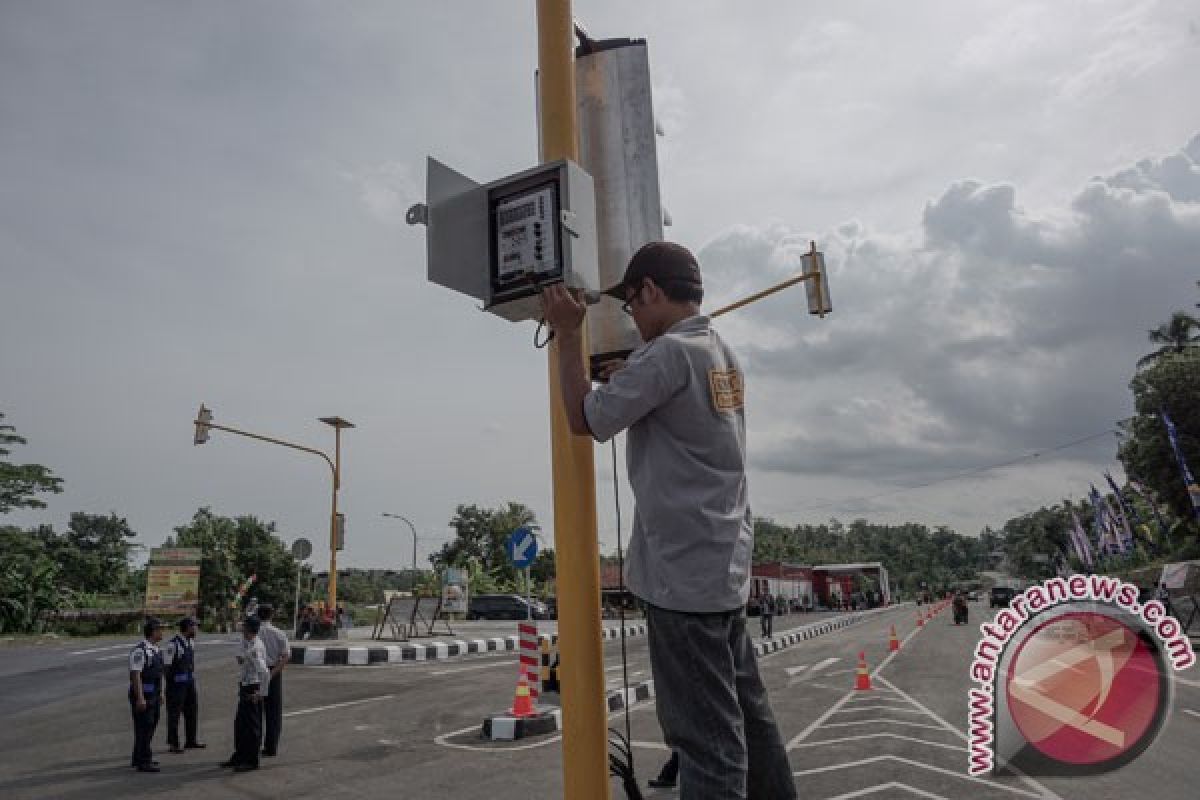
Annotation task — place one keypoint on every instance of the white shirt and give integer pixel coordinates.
(137, 656)
(275, 642)
(254, 669)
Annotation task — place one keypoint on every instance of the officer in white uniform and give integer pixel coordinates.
(145, 694)
(275, 642)
(253, 681)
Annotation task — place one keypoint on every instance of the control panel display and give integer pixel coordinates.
(526, 230)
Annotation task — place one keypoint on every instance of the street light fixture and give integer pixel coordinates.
(411, 527)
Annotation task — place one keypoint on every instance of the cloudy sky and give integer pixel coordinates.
(204, 202)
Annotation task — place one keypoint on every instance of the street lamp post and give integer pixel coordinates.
(338, 424)
(411, 527)
(204, 424)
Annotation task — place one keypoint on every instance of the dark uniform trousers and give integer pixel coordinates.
(144, 722)
(181, 694)
(272, 711)
(247, 728)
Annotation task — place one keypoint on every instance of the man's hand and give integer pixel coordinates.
(141, 704)
(564, 310)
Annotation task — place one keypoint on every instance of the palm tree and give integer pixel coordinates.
(1174, 336)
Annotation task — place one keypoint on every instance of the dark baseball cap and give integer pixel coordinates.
(151, 624)
(252, 624)
(187, 622)
(662, 262)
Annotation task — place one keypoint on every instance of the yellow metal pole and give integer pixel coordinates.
(337, 480)
(577, 547)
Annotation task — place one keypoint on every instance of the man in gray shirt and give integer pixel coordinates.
(680, 396)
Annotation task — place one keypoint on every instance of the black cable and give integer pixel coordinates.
(621, 599)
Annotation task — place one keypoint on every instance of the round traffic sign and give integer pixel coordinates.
(301, 549)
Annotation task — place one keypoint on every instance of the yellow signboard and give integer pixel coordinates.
(173, 580)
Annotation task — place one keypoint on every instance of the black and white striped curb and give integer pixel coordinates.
(504, 727)
(363, 655)
(785, 640)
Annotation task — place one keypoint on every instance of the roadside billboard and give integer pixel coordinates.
(455, 595)
(173, 581)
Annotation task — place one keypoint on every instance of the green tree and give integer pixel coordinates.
(480, 536)
(29, 581)
(233, 549)
(1171, 384)
(21, 483)
(1176, 336)
(94, 553)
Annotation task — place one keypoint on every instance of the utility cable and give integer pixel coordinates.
(620, 763)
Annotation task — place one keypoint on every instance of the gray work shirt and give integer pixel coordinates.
(681, 398)
(275, 642)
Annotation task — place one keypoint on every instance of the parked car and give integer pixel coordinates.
(505, 606)
(1001, 596)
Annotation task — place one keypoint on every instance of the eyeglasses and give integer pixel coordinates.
(627, 306)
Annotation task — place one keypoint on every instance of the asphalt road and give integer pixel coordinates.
(411, 729)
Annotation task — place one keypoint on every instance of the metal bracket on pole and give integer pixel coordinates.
(418, 214)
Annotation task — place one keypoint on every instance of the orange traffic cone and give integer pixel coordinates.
(893, 642)
(523, 703)
(863, 679)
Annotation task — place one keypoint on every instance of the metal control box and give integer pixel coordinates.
(503, 241)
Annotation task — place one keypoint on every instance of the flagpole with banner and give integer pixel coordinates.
(1193, 488)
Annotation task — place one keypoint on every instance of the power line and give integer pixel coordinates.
(845, 504)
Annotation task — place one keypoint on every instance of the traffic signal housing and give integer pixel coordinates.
(203, 419)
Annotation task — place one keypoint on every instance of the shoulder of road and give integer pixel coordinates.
(344, 654)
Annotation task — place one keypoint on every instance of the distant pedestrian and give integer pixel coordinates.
(145, 694)
(179, 660)
(766, 614)
(253, 684)
(275, 643)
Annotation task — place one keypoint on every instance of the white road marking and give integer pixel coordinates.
(921, 765)
(897, 709)
(99, 649)
(1186, 682)
(883, 735)
(1193, 713)
(878, 722)
(1046, 793)
(822, 665)
(883, 787)
(474, 667)
(112, 658)
(338, 705)
(792, 671)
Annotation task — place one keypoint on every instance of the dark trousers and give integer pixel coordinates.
(181, 698)
(713, 708)
(144, 723)
(670, 770)
(766, 620)
(272, 711)
(247, 728)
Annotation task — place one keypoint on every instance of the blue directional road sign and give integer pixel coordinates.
(521, 547)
